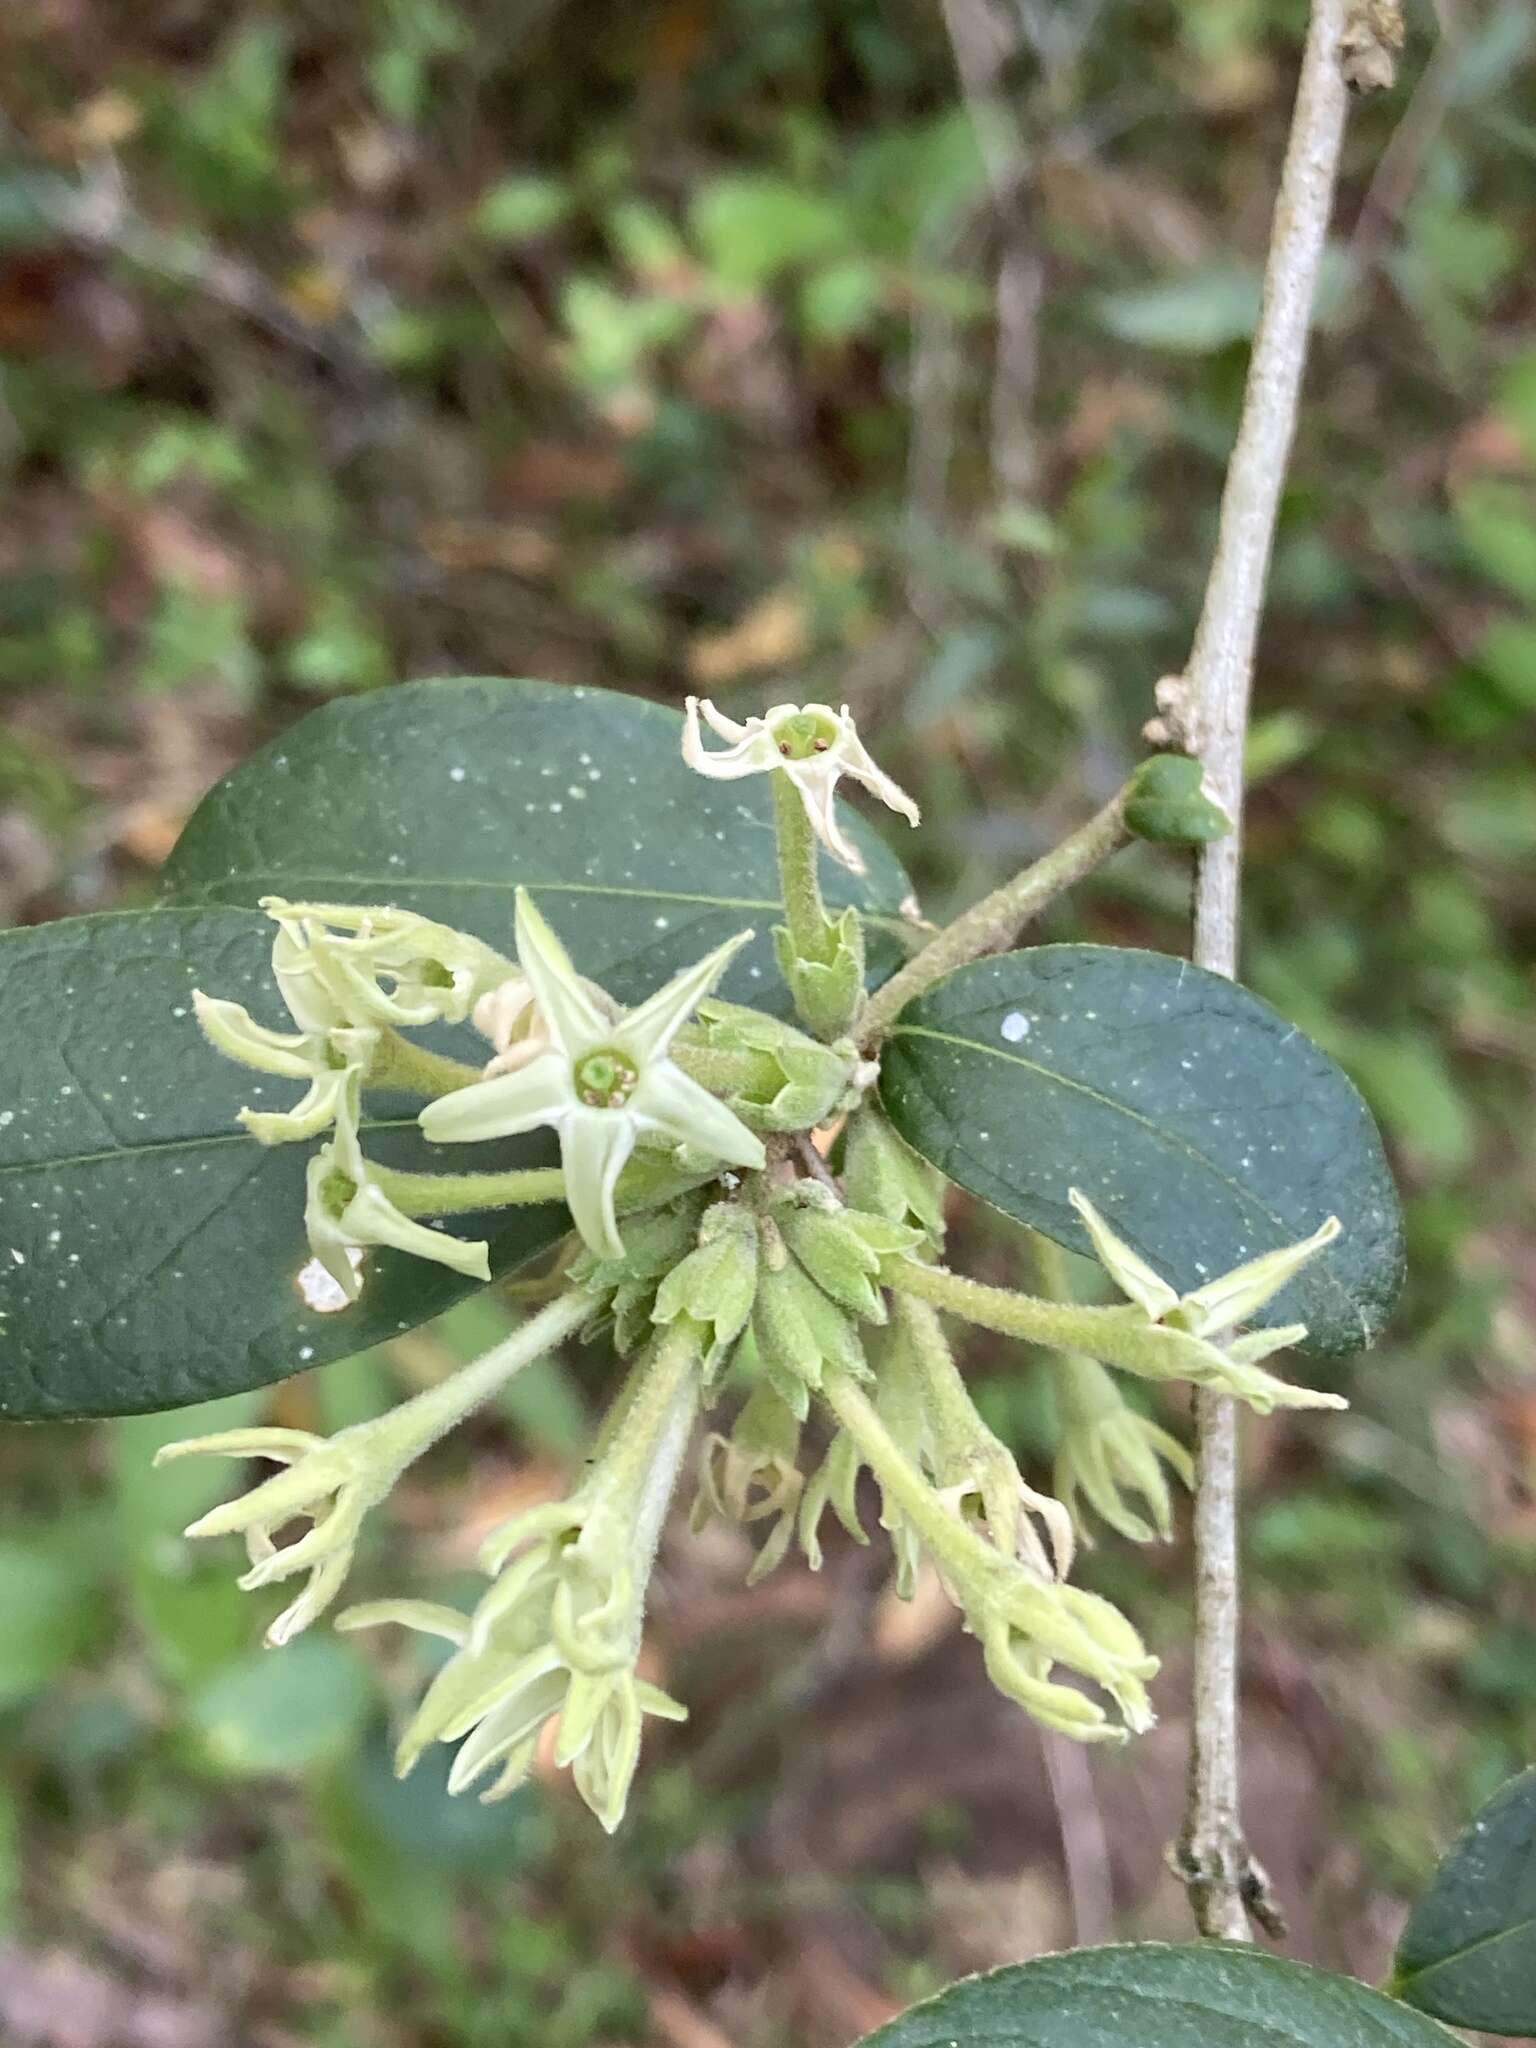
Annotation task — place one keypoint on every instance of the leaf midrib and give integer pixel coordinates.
(1162, 1132)
(235, 877)
(1460, 1955)
(192, 1144)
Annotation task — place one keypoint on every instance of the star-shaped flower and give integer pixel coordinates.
(604, 1080)
(815, 747)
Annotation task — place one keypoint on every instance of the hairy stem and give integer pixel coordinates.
(810, 929)
(996, 918)
(400, 1063)
(1212, 1853)
(417, 1424)
(1116, 1336)
(460, 1194)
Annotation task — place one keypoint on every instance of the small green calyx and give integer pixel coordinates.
(605, 1079)
(803, 735)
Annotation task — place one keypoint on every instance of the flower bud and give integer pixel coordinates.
(841, 1248)
(797, 1082)
(716, 1283)
(800, 1331)
(1170, 803)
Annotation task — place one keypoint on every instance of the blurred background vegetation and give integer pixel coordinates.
(869, 350)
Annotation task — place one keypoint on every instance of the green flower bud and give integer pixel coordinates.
(827, 994)
(800, 1331)
(797, 1082)
(885, 1176)
(842, 1249)
(716, 1283)
(1168, 803)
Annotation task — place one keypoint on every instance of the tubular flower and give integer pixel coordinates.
(753, 1475)
(334, 1482)
(1108, 1451)
(378, 965)
(346, 1209)
(604, 1081)
(343, 989)
(558, 1634)
(813, 745)
(1221, 1303)
(327, 1056)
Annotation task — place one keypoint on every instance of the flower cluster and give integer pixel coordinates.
(751, 1232)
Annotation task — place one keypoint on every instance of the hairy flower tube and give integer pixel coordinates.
(334, 1482)
(557, 1637)
(1027, 1622)
(813, 745)
(605, 1081)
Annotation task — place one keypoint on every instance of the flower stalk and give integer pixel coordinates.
(336, 1481)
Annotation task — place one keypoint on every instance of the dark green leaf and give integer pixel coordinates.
(148, 1247)
(1208, 1995)
(441, 796)
(1206, 1128)
(1468, 1953)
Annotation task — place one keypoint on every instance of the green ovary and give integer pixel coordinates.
(336, 1190)
(605, 1079)
(803, 735)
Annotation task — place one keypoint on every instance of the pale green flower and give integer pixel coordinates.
(375, 964)
(604, 1081)
(753, 1475)
(322, 1058)
(346, 1209)
(1026, 1620)
(813, 745)
(1108, 1451)
(558, 1634)
(1221, 1304)
(334, 1482)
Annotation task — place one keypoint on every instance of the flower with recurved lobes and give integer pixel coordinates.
(603, 1080)
(815, 747)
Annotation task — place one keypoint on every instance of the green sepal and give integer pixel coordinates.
(799, 1082)
(1168, 803)
(884, 1176)
(842, 1250)
(716, 1283)
(827, 993)
(800, 1330)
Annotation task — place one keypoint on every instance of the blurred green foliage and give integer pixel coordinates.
(683, 348)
